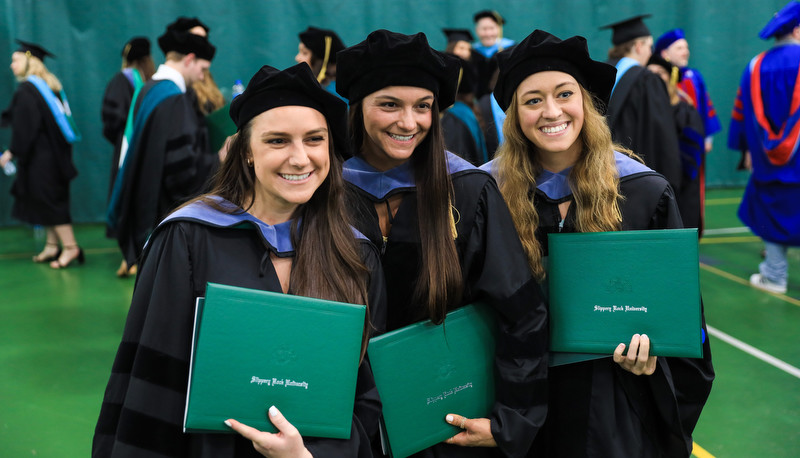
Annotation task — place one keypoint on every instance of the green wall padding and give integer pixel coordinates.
(87, 36)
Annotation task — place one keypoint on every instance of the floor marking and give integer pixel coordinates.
(724, 201)
(700, 452)
(719, 240)
(753, 351)
(726, 230)
(742, 281)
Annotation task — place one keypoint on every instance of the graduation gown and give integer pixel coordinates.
(171, 163)
(143, 407)
(495, 270)
(766, 122)
(597, 409)
(114, 113)
(640, 119)
(43, 157)
(691, 140)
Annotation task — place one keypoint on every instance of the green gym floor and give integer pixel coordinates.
(59, 331)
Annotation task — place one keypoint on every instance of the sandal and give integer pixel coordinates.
(58, 264)
(44, 256)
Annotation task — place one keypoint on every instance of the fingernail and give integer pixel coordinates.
(227, 423)
(273, 412)
(449, 418)
(644, 336)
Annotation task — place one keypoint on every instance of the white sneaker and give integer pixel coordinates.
(760, 282)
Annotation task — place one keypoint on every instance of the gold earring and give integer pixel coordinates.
(249, 162)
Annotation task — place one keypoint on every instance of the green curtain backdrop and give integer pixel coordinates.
(87, 37)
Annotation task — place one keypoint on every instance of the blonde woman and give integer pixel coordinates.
(559, 171)
(42, 134)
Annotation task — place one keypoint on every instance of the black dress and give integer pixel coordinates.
(597, 409)
(142, 411)
(171, 163)
(44, 160)
(495, 271)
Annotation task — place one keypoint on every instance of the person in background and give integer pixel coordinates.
(444, 233)
(169, 159)
(209, 97)
(283, 167)
(764, 126)
(42, 134)
(559, 171)
(461, 125)
(489, 28)
(137, 69)
(674, 48)
(689, 129)
(639, 112)
(318, 49)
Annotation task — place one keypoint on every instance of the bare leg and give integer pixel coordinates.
(51, 248)
(71, 251)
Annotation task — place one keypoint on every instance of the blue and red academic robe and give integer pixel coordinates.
(765, 122)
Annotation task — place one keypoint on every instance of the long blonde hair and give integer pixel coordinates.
(594, 179)
(35, 66)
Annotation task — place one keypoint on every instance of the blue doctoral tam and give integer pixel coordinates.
(783, 22)
(669, 37)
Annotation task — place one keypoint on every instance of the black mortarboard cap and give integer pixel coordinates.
(315, 40)
(271, 88)
(494, 15)
(673, 71)
(458, 35)
(541, 51)
(34, 49)
(393, 59)
(782, 22)
(628, 29)
(469, 78)
(178, 38)
(136, 48)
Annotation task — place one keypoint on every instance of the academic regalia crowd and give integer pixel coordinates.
(455, 168)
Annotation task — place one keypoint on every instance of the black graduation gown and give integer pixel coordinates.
(495, 271)
(597, 409)
(172, 163)
(114, 114)
(143, 407)
(43, 157)
(640, 117)
(691, 137)
(459, 140)
(489, 126)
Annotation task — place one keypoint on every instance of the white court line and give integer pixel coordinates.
(769, 359)
(726, 230)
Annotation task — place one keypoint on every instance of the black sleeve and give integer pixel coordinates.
(497, 272)
(142, 411)
(26, 121)
(116, 103)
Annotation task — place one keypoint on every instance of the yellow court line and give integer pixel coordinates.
(742, 239)
(724, 201)
(700, 452)
(742, 281)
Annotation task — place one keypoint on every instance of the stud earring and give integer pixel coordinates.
(249, 162)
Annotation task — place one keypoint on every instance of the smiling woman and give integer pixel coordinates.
(445, 234)
(559, 171)
(275, 220)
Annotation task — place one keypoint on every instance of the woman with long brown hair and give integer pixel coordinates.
(559, 171)
(275, 220)
(445, 234)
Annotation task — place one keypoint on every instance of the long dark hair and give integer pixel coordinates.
(327, 263)
(439, 284)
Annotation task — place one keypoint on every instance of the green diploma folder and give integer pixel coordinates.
(424, 371)
(253, 349)
(607, 286)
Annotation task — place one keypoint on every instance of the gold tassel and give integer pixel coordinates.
(673, 78)
(328, 43)
(453, 221)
